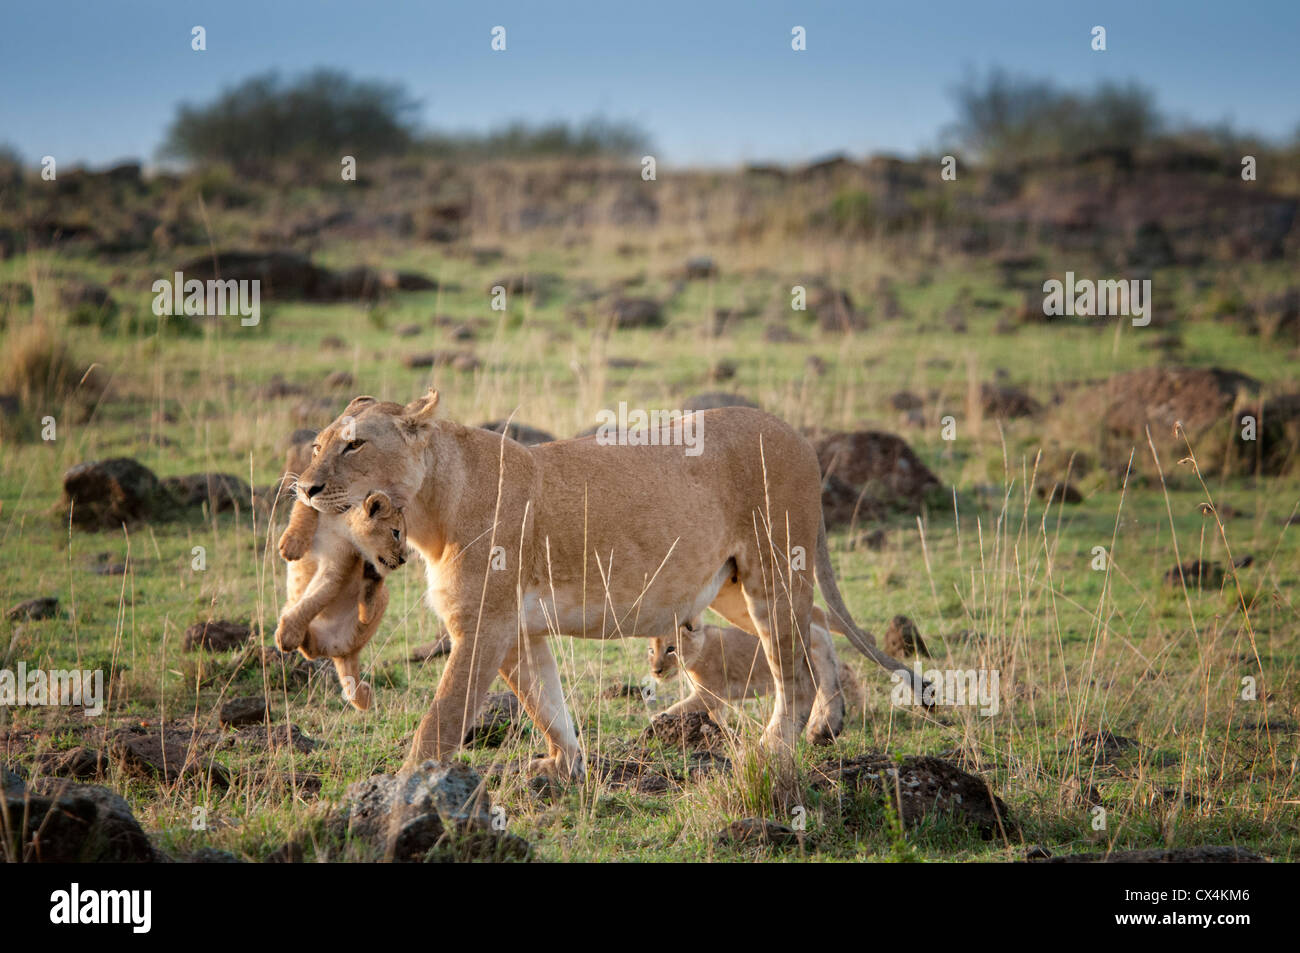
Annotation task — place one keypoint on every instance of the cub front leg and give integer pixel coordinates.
(297, 536)
(321, 591)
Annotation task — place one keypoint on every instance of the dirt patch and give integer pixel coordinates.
(216, 635)
(79, 763)
(274, 738)
(1100, 748)
(874, 466)
(520, 433)
(919, 786)
(431, 650)
(43, 607)
(239, 712)
(290, 276)
(1200, 399)
(1177, 855)
(904, 638)
(1007, 403)
(757, 832)
(168, 756)
(220, 491)
(108, 493)
(693, 731)
(497, 723)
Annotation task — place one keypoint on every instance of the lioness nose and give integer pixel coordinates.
(313, 490)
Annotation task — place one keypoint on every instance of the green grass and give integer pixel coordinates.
(1079, 650)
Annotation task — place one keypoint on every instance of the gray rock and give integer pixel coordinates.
(431, 811)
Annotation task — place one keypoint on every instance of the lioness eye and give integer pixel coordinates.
(397, 534)
(672, 649)
(354, 445)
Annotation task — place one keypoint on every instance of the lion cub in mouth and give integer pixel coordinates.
(725, 664)
(337, 595)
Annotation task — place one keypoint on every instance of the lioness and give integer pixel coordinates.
(582, 538)
(725, 664)
(336, 591)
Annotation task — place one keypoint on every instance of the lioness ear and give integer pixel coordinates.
(420, 412)
(357, 403)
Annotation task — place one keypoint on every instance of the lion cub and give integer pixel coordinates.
(336, 586)
(728, 664)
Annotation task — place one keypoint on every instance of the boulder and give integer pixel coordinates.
(55, 822)
(429, 811)
(108, 493)
(917, 787)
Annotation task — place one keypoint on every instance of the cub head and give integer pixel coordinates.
(666, 654)
(379, 531)
(371, 444)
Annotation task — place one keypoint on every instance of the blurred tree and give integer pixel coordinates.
(323, 113)
(1007, 118)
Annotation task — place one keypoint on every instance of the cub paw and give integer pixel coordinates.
(359, 696)
(289, 634)
(293, 545)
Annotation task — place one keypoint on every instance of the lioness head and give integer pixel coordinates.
(371, 444)
(379, 531)
(683, 649)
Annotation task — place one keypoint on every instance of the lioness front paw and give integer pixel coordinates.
(559, 770)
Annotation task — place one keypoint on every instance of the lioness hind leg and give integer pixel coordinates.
(529, 669)
(782, 622)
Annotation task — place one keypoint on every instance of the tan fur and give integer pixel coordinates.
(725, 664)
(334, 606)
(595, 541)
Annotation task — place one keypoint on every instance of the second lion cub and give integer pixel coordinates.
(337, 595)
(728, 664)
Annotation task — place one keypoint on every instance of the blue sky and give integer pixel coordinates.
(714, 83)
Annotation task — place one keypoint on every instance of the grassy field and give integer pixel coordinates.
(993, 576)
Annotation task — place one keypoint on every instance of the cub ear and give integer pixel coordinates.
(419, 413)
(378, 504)
(357, 403)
